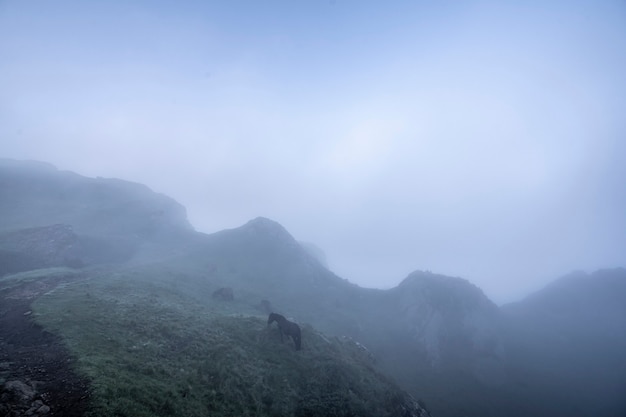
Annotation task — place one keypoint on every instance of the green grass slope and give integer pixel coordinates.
(149, 349)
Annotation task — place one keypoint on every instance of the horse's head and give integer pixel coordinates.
(272, 318)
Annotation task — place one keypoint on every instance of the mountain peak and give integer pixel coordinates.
(268, 229)
(599, 290)
(443, 292)
(264, 222)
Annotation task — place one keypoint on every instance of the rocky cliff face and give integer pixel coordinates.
(444, 330)
(449, 317)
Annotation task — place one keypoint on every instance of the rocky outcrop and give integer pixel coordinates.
(20, 398)
(437, 334)
(449, 318)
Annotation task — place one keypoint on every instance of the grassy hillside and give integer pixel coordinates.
(149, 349)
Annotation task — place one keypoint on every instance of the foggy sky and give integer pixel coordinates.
(477, 139)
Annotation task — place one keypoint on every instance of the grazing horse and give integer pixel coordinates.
(287, 327)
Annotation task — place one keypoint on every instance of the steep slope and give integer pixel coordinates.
(262, 261)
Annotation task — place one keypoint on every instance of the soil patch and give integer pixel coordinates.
(37, 375)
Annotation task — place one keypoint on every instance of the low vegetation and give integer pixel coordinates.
(149, 350)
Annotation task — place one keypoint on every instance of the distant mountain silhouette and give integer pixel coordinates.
(569, 340)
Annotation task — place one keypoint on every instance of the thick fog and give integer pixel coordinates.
(478, 139)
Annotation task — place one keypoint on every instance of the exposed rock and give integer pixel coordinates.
(18, 398)
(449, 318)
(17, 391)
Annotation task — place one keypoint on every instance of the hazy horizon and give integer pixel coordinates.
(477, 139)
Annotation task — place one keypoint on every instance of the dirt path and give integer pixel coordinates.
(36, 370)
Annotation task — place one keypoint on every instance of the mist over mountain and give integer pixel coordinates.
(569, 340)
(439, 337)
(82, 220)
(38, 194)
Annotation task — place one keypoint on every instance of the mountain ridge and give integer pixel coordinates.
(438, 336)
(160, 301)
(34, 191)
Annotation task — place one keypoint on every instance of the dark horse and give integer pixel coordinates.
(287, 327)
